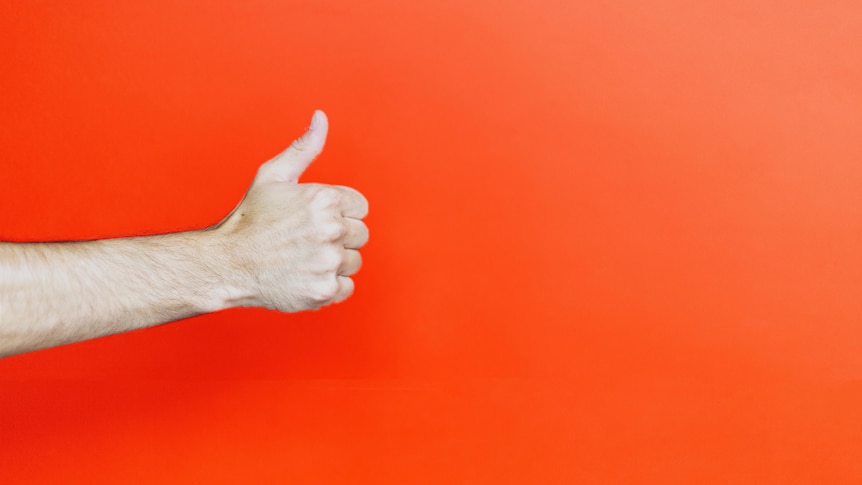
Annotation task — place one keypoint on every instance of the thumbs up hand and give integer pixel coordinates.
(291, 246)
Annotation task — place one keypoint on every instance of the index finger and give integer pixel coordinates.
(353, 203)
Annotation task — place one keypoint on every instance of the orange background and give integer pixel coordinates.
(611, 242)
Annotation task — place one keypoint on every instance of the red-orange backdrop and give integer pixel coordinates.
(612, 242)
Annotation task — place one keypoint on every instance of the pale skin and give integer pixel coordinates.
(287, 246)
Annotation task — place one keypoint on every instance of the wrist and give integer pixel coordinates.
(228, 282)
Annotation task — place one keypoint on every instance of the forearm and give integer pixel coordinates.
(57, 293)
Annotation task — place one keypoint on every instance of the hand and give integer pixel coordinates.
(292, 246)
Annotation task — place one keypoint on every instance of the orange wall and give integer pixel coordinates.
(612, 242)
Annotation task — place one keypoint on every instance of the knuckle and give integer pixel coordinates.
(330, 261)
(335, 261)
(324, 291)
(333, 231)
(267, 171)
(349, 288)
(327, 197)
(309, 192)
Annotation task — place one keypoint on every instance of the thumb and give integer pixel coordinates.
(289, 165)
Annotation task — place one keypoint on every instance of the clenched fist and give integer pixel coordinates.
(292, 246)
